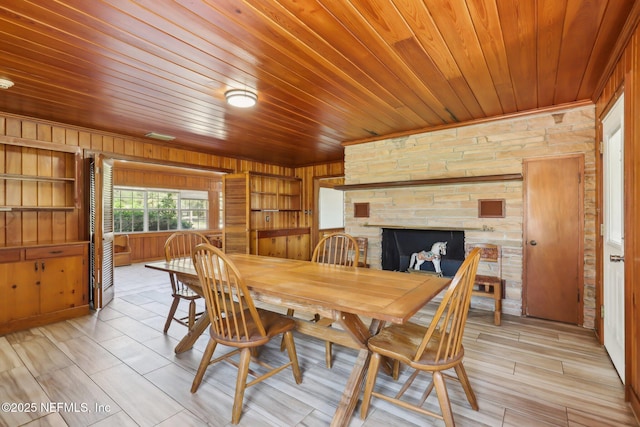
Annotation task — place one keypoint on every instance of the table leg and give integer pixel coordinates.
(194, 333)
(360, 334)
(351, 393)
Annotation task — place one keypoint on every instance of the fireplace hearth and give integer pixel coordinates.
(399, 243)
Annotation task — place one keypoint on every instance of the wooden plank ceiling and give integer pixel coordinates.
(325, 71)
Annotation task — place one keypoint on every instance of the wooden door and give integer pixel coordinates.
(62, 282)
(272, 246)
(298, 247)
(553, 236)
(236, 213)
(20, 292)
(102, 231)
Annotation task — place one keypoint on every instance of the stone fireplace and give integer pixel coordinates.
(399, 243)
(481, 149)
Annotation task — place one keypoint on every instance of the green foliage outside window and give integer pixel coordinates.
(163, 210)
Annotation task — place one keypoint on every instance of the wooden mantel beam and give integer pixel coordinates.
(433, 181)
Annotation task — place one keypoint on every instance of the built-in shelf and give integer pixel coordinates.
(433, 181)
(35, 208)
(49, 183)
(35, 178)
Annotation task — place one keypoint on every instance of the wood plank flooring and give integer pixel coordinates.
(117, 368)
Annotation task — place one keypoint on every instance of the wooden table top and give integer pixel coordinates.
(379, 294)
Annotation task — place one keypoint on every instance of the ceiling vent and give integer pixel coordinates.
(160, 136)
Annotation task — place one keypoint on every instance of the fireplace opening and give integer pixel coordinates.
(398, 244)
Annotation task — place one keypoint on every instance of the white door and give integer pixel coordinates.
(613, 234)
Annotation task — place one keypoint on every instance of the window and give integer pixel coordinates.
(331, 207)
(140, 210)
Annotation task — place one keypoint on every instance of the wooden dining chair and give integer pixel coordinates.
(363, 247)
(180, 245)
(490, 285)
(433, 348)
(337, 249)
(333, 249)
(237, 323)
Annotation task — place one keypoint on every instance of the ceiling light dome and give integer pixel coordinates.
(5, 83)
(241, 98)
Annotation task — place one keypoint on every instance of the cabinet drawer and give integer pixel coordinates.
(10, 255)
(54, 251)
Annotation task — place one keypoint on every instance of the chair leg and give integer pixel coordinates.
(466, 385)
(204, 364)
(443, 398)
(172, 313)
(497, 311)
(328, 353)
(372, 375)
(287, 339)
(241, 384)
(395, 373)
(192, 313)
(290, 312)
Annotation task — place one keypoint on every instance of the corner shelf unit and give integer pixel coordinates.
(50, 182)
(255, 201)
(271, 193)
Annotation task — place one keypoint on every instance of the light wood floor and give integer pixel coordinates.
(118, 368)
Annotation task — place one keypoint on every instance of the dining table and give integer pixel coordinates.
(360, 300)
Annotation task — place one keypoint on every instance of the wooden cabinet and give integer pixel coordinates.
(42, 284)
(283, 243)
(255, 202)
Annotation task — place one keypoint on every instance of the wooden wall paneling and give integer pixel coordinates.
(58, 232)
(69, 225)
(13, 127)
(13, 224)
(3, 184)
(29, 130)
(137, 248)
(45, 193)
(29, 193)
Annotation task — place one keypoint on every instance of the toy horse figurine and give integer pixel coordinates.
(437, 250)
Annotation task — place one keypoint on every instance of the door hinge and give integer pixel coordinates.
(601, 229)
(578, 295)
(579, 178)
(601, 147)
(602, 311)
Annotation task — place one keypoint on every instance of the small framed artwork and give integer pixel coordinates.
(361, 210)
(491, 208)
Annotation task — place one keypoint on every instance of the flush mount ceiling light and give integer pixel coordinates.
(241, 98)
(160, 136)
(5, 83)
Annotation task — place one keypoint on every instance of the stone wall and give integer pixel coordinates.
(496, 147)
